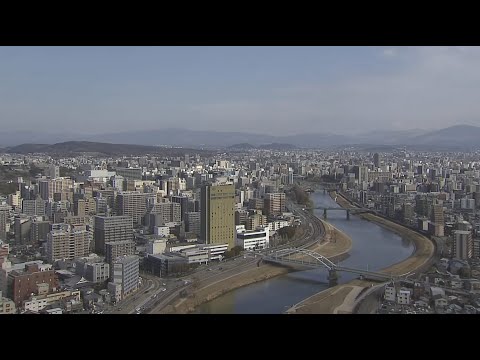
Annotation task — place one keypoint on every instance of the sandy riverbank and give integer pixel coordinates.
(424, 248)
(211, 291)
(341, 298)
(335, 245)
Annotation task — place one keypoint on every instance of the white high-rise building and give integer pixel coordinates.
(125, 273)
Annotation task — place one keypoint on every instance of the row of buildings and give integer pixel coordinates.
(165, 216)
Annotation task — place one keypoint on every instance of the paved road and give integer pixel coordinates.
(205, 278)
(212, 273)
(150, 286)
(155, 293)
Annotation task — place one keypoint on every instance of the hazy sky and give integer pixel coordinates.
(276, 90)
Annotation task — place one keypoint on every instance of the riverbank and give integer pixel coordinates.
(424, 247)
(335, 246)
(211, 291)
(342, 298)
(339, 299)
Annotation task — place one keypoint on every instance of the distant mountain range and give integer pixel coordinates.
(273, 146)
(455, 137)
(81, 147)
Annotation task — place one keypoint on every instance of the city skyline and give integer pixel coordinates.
(279, 90)
(245, 180)
(397, 230)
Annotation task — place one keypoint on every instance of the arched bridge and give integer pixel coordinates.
(280, 255)
(315, 260)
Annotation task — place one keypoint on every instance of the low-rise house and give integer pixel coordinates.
(456, 283)
(390, 292)
(403, 296)
(472, 285)
(418, 290)
(440, 301)
(469, 309)
(53, 311)
(7, 306)
(421, 303)
(38, 303)
(456, 309)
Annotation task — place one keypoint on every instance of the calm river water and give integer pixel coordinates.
(373, 248)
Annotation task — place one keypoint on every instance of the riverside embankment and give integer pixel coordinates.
(344, 298)
(372, 247)
(424, 247)
(333, 244)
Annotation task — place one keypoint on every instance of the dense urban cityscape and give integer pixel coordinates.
(239, 180)
(139, 234)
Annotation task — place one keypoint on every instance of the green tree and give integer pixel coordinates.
(66, 172)
(235, 251)
(7, 188)
(34, 170)
(287, 232)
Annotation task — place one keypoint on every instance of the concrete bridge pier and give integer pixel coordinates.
(332, 277)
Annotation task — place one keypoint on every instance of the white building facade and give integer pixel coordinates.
(390, 292)
(253, 239)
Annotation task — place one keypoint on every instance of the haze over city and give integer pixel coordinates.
(292, 180)
(274, 90)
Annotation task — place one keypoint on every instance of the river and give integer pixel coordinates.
(373, 248)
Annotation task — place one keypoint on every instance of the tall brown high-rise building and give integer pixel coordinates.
(218, 214)
(437, 214)
(68, 242)
(4, 215)
(79, 207)
(115, 249)
(111, 228)
(377, 160)
(133, 204)
(274, 203)
(48, 187)
(462, 244)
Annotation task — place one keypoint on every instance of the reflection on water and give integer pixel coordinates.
(373, 248)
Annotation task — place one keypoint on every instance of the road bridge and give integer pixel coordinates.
(348, 211)
(315, 260)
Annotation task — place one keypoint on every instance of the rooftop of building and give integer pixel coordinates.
(121, 242)
(167, 256)
(126, 259)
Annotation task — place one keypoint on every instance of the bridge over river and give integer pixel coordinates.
(311, 259)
